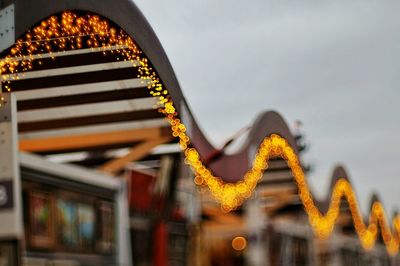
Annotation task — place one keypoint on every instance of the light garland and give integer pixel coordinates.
(71, 31)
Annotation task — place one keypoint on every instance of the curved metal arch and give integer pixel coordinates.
(266, 124)
(339, 172)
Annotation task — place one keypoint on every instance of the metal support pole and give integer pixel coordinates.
(124, 254)
(256, 222)
(11, 228)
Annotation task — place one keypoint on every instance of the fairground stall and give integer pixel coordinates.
(80, 101)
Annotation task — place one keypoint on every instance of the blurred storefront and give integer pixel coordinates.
(71, 216)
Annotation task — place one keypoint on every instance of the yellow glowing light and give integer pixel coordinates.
(71, 31)
(239, 243)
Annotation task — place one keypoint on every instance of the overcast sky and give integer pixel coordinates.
(334, 65)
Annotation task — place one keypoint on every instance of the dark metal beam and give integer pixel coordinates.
(73, 60)
(74, 79)
(85, 98)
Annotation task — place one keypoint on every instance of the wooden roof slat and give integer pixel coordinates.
(93, 50)
(267, 182)
(277, 175)
(91, 129)
(74, 79)
(137, 152)
(46, 73)
(90, 120)
(98, 87)
(87, 98)
(89, 140)
(85, 110)
(72, 61)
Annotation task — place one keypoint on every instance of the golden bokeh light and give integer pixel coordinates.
(70, 31)
(239, 243)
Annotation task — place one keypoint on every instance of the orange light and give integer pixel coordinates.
(68, 31)
(239, 243)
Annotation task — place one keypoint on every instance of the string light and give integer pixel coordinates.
(71, 31)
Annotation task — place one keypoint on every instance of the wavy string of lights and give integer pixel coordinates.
(70, 31)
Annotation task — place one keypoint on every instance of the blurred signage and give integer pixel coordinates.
(6, 195)
(140, 190)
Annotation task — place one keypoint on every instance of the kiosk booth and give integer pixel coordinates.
(57, 214)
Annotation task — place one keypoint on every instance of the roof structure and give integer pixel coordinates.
(82, 92)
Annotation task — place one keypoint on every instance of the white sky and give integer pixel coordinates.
(334, 65)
